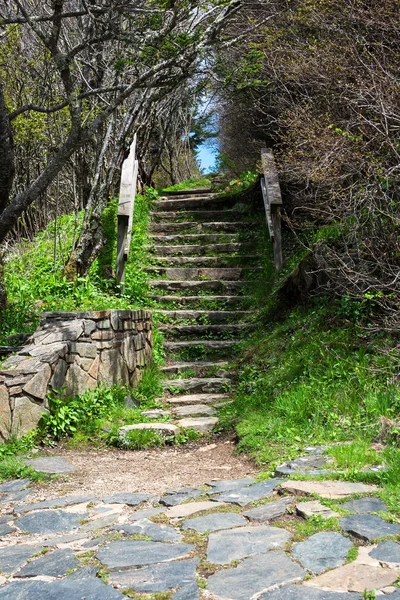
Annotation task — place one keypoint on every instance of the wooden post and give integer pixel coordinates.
(126, 207)
(272, 202)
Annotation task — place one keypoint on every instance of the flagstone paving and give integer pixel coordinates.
(225, 540)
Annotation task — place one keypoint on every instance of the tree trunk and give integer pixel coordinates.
(7, 167)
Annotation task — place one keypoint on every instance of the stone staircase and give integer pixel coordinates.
(203, 258)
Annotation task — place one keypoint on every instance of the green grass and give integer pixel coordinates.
(356, 455)
(189, 184)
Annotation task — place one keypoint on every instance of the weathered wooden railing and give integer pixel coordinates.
(126, 208)
(271, 192)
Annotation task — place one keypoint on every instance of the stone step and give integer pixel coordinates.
(198, 367)
(195, 238)
(198, 385)
(200, 424)
(212, 284)
(199, 273)
(189, 193)
(210, 316)
(202, 300)
(189, 399)
(203, 250)
(202, 347)
(204, 216)
(221, 262)
(194, 410)
(210, 227)
(187, 331)
(191, 202)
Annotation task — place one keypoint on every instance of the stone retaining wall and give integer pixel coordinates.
(74, 351)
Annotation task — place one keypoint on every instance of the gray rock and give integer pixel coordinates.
(63, 539)
(13, 557)
(16, 496)
(95, 542)
(53, 564)
(248, 494)
(60, 589)
(322, 551)
(135, 553)
(26, 415)
(159, 577)
(229, 485)
(55, 503)
(299, 592)
(156, 413)
(313, 508)
(255, 575)
(269, 511)
(158, 533)
(365, 505)
(83, 572)
(178, 498)
(37, 386)
(16, 485)
(100, 523)
(6, 529)
(130, 402)
(225, 546)
(303, 464)
(125, 498)
(368, 527)
(145, 514)
(188, 592)
(215, 522)
(49, 521)
(387, 552)
(200, 424)
(51, 464)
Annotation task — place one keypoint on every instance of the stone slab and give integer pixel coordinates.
(268, 512)
(158, 533)
(146, 513)
(328, 489)
(137, 553)
(13, 557)
(53, 465)
(53, 564)
(54, 503)
(191, 508)
(15, 496)
(228, 485)
(16, 485)
(322, 551)
(365, 505)
(355, 578)
(49, 521)
(157, 578)
(126, 498)
(226, 546)
(255, 575)
(166, 429)
(314, 508)
(6, 529)
(60, 589)
(368, 527)
(200, 424)
(299, 592)
(248, 494)
(388, 552)
(178, 498)
(188, 592)
(215, 522)
(303, 465)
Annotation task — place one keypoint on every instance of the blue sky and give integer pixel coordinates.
(206, 157)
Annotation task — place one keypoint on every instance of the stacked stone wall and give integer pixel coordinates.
(72, 351)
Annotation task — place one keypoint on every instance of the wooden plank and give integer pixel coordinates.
(121, 238)
(277, 237)
(267, 207)
(271, 176)
(130, 223)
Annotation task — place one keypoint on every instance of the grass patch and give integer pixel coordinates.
(355, 456)
(189, 184)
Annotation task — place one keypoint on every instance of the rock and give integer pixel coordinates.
(49, 521)
(59, 540)
(303, 464)
(354, 578)
(165, 429)
(126, 498)
(228, 485)
(26, 415)
(196, 399)
(97, 524)
(54, 503)
(51, 464)
(15, 496)
(158, 533)
(368, 527)
(156, 413)
(225, 546)
(146, 513)
(83, 573)
(6, 529)
(130, 402)
(53, 564)
(5, 413)
(248, 494)
(322, 551)
(188, 592)
(269, 511)
(388, 552)
(299, 592)
(255, 575)
(84, 349)
(194, 410)
(112, 369)
(70, 332)
(178, 498)
(328, 489)
(137, 553)
(313, 508)
(59, 373)
(37, 386)
(200, 424)
(365, 505)
(77, 381)
(186, 510)
(16, 485)
(157, 578)
(60, 589)
(215, 522)
(13, 557)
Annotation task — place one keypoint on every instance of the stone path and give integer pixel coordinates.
(225, 540)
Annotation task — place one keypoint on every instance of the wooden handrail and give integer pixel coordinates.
(272, 197)
(126, 207)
